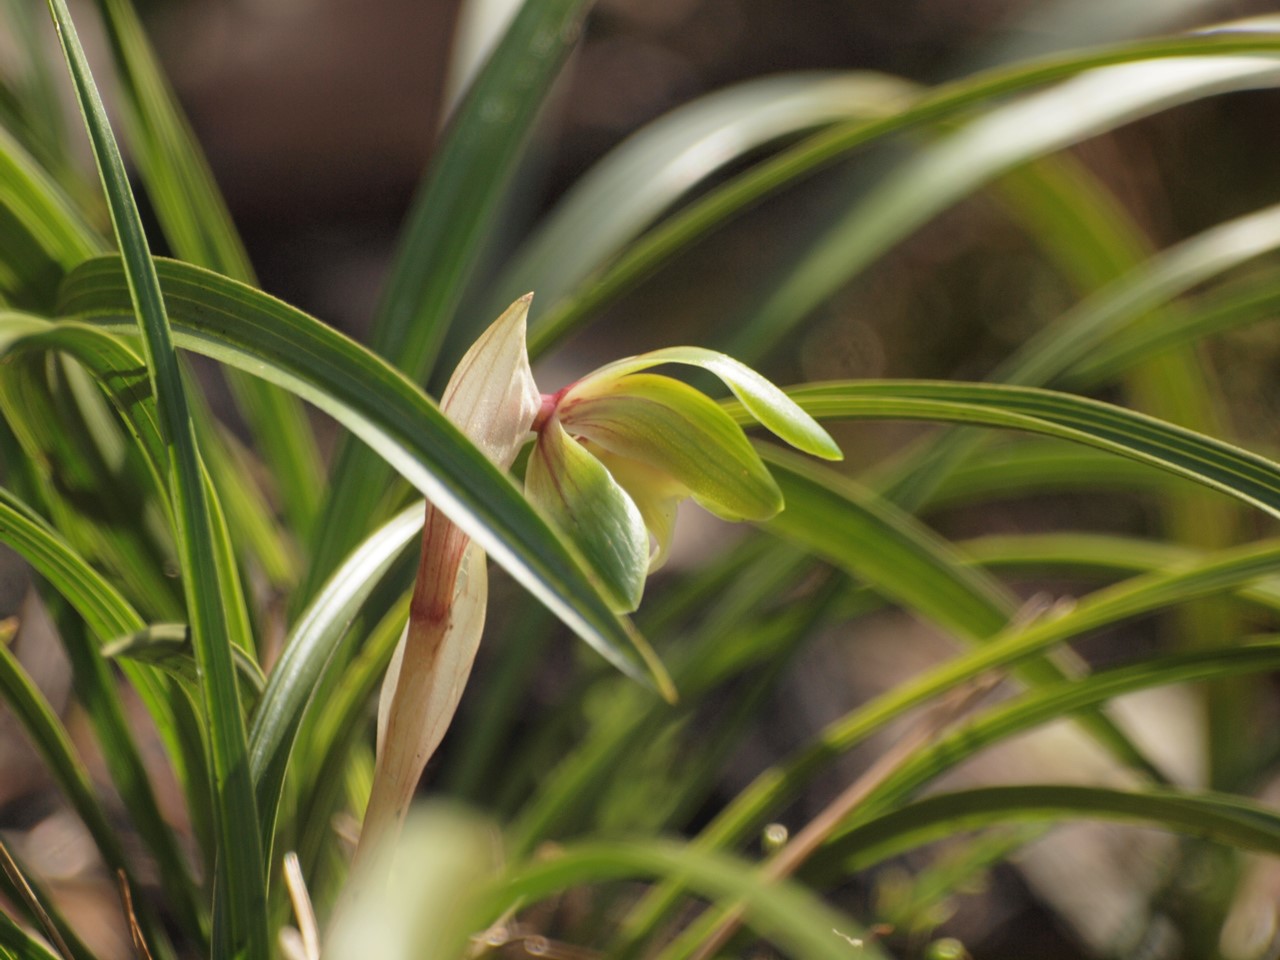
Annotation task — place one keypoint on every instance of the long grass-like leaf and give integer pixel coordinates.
(1240, 305)
(795, 920)
(564, 797)
(199, 228)
(22, 944)
(23, 887)
(310, 647)
(240, 326)
(1095, 556)
(120, 373)
(1050, 703)
(945, 101)
(42, 234)
(1228, 570)
(1034, 467)
(108, 615)
(444, 237)
(210, 586)
(997, 141)
(1226, 819)
(90, 484)
(54, 745)
(1246, 476)
(1074, 336)
(884, 547)
(1025, 713)
(891, 552)
(653, 169)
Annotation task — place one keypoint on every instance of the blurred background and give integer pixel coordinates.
(318, 117)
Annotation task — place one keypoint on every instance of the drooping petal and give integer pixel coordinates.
(491, 396)
(656, 494)
(764, 401)
(592, 511)
(675, 429)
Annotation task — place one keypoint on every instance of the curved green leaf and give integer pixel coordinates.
(961, 162)
(1227, 570)
(1241, 304)
(1033, 467)
(106, 612)
(168, 647)
(737, 602)
(114, 365)
(39, 205)
(245, 328)
(1051, 703)
(945, 101)
(308, 649)
(1245, 476)
(892, 553)
(798, 922)
(445, 235)
(1096, 556)
(121, 374)
(633, 185)
(23, 946)
(1226, 819)
(198, 226)
(887, 549)
(54, 745)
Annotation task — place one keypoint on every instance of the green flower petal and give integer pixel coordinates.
(657, 494)
(675, 429)
(592, 511)
(769, 405)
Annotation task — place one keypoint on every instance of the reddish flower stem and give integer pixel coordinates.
(400, 764)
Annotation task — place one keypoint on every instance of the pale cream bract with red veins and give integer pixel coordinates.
(493, 400)
(491, 396)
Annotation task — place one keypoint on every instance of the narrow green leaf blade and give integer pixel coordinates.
(211, 592)
(628, 190)
(52, 741)
(1226, 819)
(307, 652)
(948, 100)
(796, 920)
(960, 163)
(444, 237)
(1221, 466)
(198, 225)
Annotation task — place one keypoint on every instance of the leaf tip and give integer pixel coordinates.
(658, 674)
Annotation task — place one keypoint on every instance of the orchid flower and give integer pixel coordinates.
(493, 400)
(614, 455)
